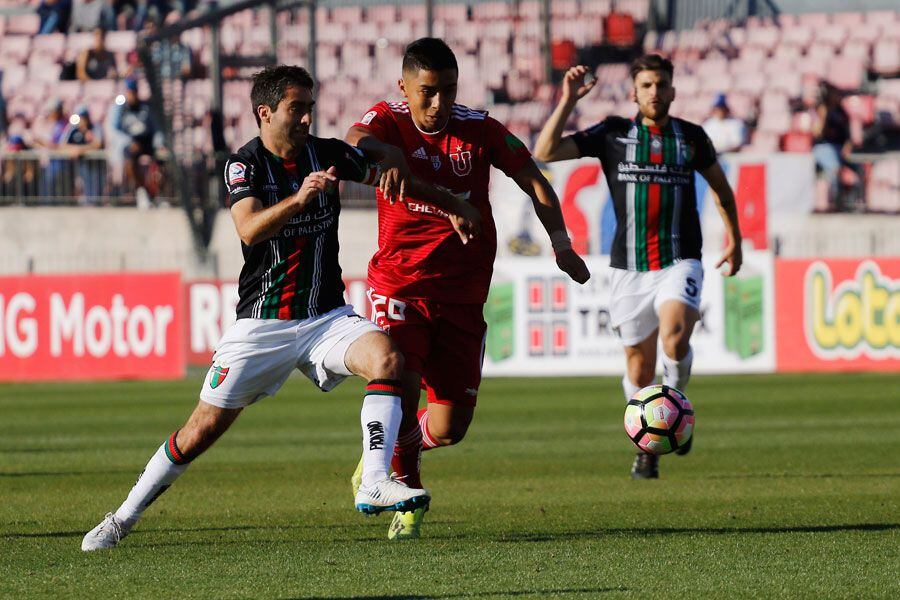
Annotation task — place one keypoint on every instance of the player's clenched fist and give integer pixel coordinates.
(577, 82)
(570, 263)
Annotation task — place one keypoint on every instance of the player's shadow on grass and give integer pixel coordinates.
(799, 475)
(538, 593)
(511, 537)
(652, 531)
(62, 473)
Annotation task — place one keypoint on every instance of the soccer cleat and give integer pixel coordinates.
(356, 479)
(407, 525)
(685, 448)
(388, 495)
(646, 466)
(105, 535)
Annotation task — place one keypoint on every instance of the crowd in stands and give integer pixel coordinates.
(825, 84)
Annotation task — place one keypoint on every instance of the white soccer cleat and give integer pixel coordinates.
(105, 535)
(390, 495)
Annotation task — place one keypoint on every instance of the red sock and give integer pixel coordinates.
(428, 442)
(407, 457)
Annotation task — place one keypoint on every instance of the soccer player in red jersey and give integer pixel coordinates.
(656, 276)
(427, 286)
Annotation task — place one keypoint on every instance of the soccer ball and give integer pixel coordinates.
(659, 419)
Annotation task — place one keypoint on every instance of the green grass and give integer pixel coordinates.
(792, 490)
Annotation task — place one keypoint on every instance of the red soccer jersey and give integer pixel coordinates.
(419, 254)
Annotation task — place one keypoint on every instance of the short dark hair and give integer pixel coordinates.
(270, 84)
(429, 54)
(651, 62)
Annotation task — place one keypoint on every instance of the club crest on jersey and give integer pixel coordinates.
(219, 373)
(436, 162)
(656, 145)
(461, 163)
(687, 151)
(237, 173)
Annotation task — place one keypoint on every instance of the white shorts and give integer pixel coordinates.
(255, 356)
(635, 297)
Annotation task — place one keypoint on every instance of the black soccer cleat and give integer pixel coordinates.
(646, 466)
(685, 448)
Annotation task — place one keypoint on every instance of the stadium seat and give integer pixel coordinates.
(883, 190)
(801, 35)
(51, 46)
(833, 35)
(886, 57)
(453, 13)
(846, 73)
(765, 38)
(121, 41)
(814, 20)
(797, 141)
(23, 24)
(14, 49)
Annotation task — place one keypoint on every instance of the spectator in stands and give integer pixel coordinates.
(88, 15)
(18, 176)
(96, 62)
(831, 138)
(173, 58)
(81, 137)
(134, 120)
(4, 122)
(727, 133)
(47, 133)
(54, 15)
(148, 10)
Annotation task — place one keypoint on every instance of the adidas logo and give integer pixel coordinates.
(420, 153)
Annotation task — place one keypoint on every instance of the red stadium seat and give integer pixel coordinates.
(797, 141)
(619, 29)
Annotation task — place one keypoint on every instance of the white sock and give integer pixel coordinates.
(380, 419)
(155, 479)
(677, 373)
(629, 388)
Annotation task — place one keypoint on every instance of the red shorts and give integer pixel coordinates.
(442, 342)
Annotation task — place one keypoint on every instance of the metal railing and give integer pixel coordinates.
(49, 178)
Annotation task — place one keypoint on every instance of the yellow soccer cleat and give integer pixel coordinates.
(356, 479)
(407, 525)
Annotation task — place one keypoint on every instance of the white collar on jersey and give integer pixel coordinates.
(441, 130)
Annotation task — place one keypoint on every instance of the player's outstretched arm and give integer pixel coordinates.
(724, 197)
(255, 223)
(546, 206)
(550, 147)
(395, 173)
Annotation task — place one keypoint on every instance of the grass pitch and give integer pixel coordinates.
(792, 490)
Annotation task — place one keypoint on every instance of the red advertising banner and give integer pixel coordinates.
(838, 315)
(68, 327)
(211, 310)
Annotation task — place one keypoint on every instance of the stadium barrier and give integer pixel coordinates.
(768, 188)
(776, 315)
(70, 327)
(838, 314)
